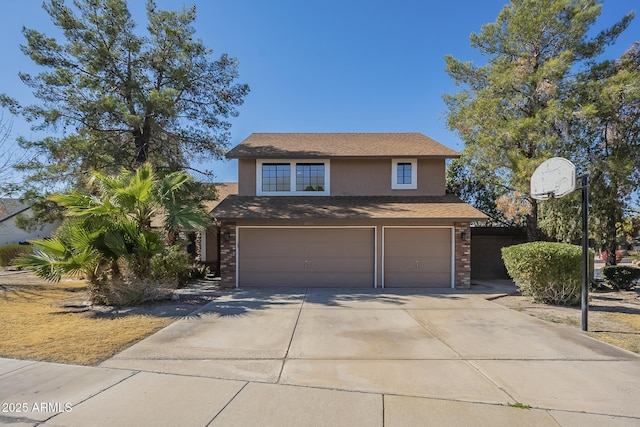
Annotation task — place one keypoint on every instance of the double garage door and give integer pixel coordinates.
(344, 257)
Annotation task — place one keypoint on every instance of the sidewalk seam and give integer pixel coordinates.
(133, 374)
(293, 333)
(20, 367)
(484, 374)
(227, 404)
(461, 356)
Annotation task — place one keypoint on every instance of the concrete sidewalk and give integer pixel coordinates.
(338, 358)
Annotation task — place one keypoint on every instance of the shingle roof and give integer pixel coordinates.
(10, 208)
(223, 190)
(447, 207)
(304, 145)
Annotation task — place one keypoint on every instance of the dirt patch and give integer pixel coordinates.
(57, 322)
(613, 317)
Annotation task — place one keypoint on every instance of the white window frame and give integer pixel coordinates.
(394, 174)
(292, 164)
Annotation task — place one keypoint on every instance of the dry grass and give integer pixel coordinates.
(625, 334)
(42, 321)
(614, 317)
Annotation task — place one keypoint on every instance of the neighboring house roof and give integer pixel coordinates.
(305, 145)
(448, 207)
(223, 190)
(9, 208)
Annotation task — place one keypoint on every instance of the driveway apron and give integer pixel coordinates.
(350, 357)
(450, 346)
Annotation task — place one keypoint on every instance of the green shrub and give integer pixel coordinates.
(621, 277)
(548, 272)
(173, 266)
(8, 253)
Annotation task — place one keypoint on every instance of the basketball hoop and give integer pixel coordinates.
(554, 178)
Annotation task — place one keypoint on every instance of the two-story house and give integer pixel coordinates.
(344, 210)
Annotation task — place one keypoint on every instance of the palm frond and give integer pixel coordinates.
(52, 247)
(187, 218)
(115, 242)
(42, 264)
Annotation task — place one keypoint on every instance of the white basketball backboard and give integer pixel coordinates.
(554, 178)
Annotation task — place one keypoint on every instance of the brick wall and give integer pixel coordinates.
(462, 255)
(228, 254)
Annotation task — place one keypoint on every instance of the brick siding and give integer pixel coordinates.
(228, 254)
(462, 257)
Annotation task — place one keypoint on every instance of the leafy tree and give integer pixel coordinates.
(120, 98)
(629, 228)
(463, 181)
(605, 129)
(108, 237)
(561, 219)
(511, 113)
(9, 156)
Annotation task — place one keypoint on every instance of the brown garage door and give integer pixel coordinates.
(417, 257)
(319, 257)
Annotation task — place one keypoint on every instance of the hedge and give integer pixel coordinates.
(621, 277)
(548, 272)
(8, 253)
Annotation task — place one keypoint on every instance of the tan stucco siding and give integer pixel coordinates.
(211, 246)
(361, 177)
(246, 177)
(372, 177)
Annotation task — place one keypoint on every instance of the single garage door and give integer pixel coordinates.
(417, 257)
(319, 257)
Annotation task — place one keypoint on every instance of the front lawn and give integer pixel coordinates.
(44, 321)
(614, 317)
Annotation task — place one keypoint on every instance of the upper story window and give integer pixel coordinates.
(275, 178)
(404, 174)
(310, 177)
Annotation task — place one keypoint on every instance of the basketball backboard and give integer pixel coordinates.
(554, 178)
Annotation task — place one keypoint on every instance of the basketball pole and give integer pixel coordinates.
(585, 250)
(558, 172)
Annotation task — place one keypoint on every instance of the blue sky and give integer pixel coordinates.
(320, 66)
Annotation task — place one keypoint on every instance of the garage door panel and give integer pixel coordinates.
(417, 257)
(306, 257)
(413, 262)
(402, 279)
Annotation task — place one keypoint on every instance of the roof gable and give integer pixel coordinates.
(327, 145)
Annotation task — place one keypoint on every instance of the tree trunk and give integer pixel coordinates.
(532, 222)
(610, 247)
(609, 243)
(142, 138)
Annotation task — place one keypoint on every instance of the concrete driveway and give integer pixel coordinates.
(343, 358)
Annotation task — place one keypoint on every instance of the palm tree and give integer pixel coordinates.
(109, 229)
